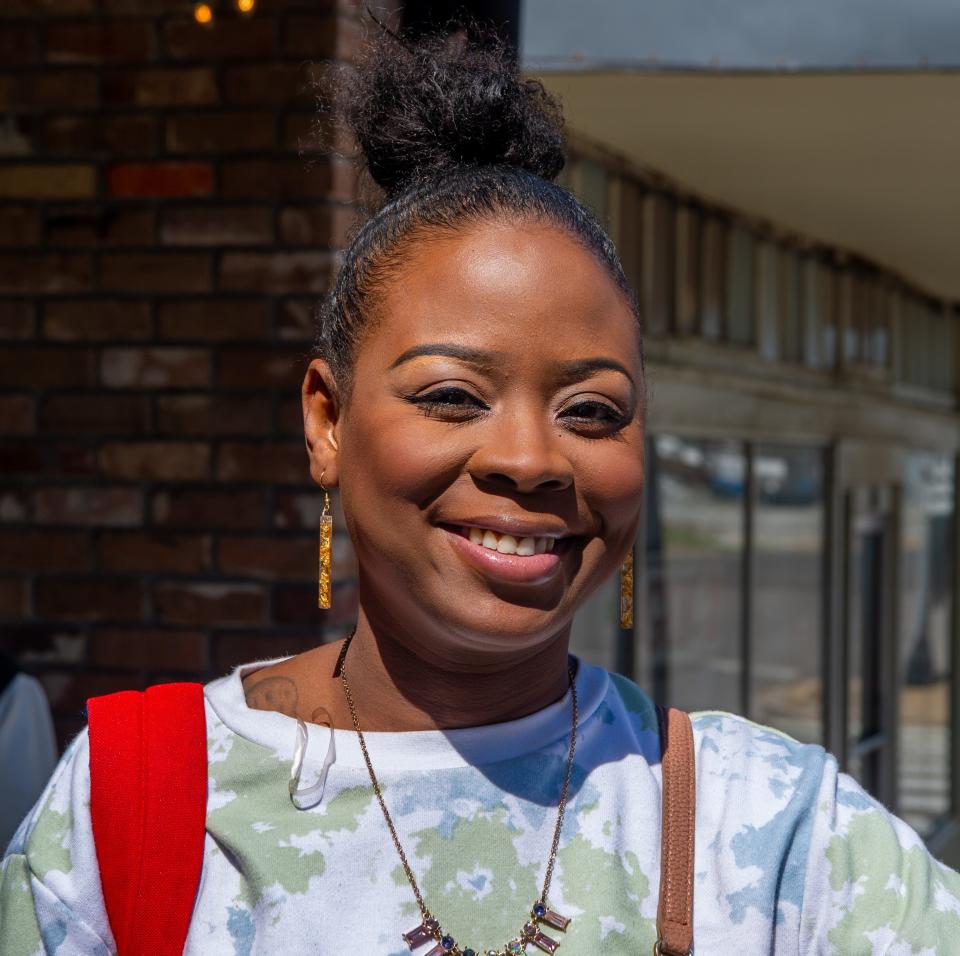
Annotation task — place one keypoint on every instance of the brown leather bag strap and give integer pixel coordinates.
(675, 912)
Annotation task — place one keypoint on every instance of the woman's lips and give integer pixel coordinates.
(513, 568)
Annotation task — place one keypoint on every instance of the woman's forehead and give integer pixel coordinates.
(505, 286)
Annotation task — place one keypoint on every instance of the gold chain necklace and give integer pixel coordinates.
(429, 929)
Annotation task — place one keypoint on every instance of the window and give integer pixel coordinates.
(687, 295)
(713, 278)
(740, 287)
(657, 281)
(788, 548)
(926, 660)
(694, 572)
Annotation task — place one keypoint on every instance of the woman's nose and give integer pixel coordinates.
(522, 453)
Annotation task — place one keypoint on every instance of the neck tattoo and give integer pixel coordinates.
(429, 930)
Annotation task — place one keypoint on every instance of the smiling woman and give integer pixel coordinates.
(451, 779)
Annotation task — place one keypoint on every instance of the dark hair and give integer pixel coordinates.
(452, 134)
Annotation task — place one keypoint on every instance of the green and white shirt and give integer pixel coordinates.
(791, 856)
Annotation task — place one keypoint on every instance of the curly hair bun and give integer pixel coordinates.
(419, 108)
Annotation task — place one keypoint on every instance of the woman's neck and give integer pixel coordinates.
(395, 689)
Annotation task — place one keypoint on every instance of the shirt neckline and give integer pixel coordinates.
(467, 746)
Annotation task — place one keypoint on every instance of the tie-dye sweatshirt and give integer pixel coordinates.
(791, 856)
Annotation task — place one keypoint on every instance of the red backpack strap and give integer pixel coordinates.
(148, 804)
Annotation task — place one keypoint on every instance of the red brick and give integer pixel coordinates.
(14, 508)
(29, 549)
(155, 461)
(69, 691)
(149, 649)
(45, 272)
(159, 180)
(14, 597)
(105, 41)
(155, 367)
(269, 84)
(261, 368)
(146, 8)
(48, 181)
(154, 551)
(47, 366)
(275, 558)
(97, 225)
(45, 8)
(17, 414)
(290, 416)
(18, 134)
(213, 604)
(276, 271)
(59, 89)
(301, 509)
(296, 321)
(98, 414)
(232, 131)
(72, 459)
(263, 461)
(123, 135)
(234, 508)
(231, 650)
(48, 644)
(18, 45)
(17, 319)
(268, 557)
(229, 39)
(21, 458)
(327, 227)
(156, 272)
(72, 320)
(115, 507)
(217, 226)
(213, 320)
(314, 37)
(313, 132)
(161, 87)
(276, 179)
(213, 415)
(91, 597)
(296, 604)
(298, 509)
(19, 226)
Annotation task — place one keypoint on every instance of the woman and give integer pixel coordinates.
(478, 398)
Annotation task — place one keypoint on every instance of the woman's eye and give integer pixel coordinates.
(595, 413)
(449, 401)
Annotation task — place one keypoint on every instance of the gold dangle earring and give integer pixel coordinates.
(626, 592)
(326, 548)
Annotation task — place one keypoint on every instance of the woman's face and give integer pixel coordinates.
(496, 410)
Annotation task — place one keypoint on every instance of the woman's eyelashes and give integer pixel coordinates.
(594, 416)
(449, 402)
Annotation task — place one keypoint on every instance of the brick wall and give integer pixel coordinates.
(165, 230)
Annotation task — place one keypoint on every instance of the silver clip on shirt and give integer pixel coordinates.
(307, 797)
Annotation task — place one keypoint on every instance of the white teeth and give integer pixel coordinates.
(508, 543)
(526, 547)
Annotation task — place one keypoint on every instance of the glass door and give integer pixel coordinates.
(869, 614)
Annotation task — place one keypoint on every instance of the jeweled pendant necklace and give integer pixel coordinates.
(429, 930)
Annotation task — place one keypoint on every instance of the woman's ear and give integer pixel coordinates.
(321, 420)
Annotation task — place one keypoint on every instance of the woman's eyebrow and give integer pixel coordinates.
(578, 369)
(480, 358)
